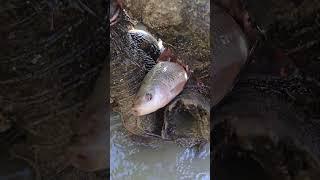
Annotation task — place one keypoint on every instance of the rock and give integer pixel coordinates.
(148, 12)
(187, 119)
(185, 25)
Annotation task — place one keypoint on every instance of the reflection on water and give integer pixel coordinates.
(131, 160)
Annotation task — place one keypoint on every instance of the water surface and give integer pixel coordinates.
(164, 160)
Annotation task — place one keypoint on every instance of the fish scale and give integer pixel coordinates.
(168, 77)
(146, 42)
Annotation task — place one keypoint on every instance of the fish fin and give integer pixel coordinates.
(161, 47)
(178, 88)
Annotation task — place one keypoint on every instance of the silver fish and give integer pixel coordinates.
(161, 84)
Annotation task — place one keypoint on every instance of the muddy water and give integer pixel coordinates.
(131, 160)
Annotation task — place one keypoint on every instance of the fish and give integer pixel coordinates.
(146, 42)
(229, 55)
(159, 87)
(88, 149)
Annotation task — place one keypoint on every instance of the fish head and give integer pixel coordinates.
(147, 100)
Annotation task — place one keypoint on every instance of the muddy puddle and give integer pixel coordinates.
(131, 160)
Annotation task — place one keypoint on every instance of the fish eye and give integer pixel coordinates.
(148, 96)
